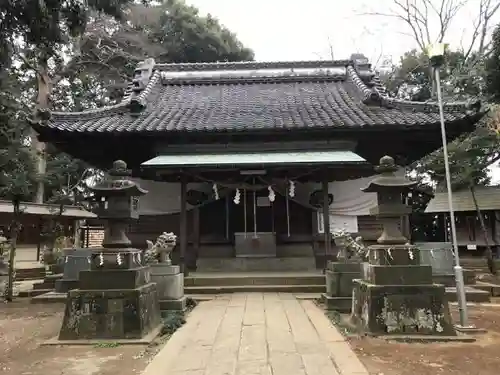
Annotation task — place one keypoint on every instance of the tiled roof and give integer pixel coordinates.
(487, 199)
(253, 96)
(47, 209)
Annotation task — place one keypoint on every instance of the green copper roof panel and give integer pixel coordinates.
(266, 158)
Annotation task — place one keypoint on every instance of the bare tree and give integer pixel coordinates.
(420, 17)
(429, 21)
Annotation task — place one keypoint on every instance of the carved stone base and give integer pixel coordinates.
(340, 304)
(110, 314)
(173, 304)
(401, 309)
(169, 286)
(339, 277)
(64, 286)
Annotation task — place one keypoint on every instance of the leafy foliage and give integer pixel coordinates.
(411, 79)
(109, 51)
(17, 174)
(104, 40)
(48, 24)
(469, 159)
(75, 55)
(492, 67)
(173, 320)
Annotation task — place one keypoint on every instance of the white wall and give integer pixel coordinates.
(165, 197)
(348, 200)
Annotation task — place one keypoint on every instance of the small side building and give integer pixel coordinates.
(469, 232)
(34, 218)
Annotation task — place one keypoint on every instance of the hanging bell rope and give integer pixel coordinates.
(245, 210)
(254, 214)
(283, 190)
(227, 216)
(287, 201)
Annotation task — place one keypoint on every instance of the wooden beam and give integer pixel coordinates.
(326, 218)
(183, 226)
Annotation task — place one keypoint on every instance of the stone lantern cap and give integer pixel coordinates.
(117, 183)
(387, 179)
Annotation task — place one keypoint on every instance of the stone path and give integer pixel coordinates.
(256, 334)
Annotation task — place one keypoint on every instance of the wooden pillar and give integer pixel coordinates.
(39, 242)
(445, 221)
(76, 233)
(183, 226)
(326, 218)
(196, 226)
(87, 235)
(196, 239)
(227, 215)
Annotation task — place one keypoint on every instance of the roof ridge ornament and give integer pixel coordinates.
(145, 77)
(360, 61)
(370, 94)
(142, 74)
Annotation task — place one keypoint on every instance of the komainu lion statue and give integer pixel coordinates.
(159, 252)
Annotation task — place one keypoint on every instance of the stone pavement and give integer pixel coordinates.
(256, 334)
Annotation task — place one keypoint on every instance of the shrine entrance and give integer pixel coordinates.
(255, 219)
(253, 192)
(253, 214)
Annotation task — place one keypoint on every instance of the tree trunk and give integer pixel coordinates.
(14, 230)
(489, 253)
(42, 103)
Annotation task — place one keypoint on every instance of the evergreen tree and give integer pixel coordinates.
(39, 33)
(470, 156)
(17, 179)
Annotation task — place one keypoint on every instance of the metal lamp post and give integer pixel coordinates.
(436, 56)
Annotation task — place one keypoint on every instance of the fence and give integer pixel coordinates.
(91, 236)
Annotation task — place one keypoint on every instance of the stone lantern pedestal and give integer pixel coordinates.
(115, 298)
(74, 261)
(396, 294)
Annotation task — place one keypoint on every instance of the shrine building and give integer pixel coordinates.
(249, 160)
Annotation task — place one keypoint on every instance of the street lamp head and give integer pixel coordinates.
(436, 53)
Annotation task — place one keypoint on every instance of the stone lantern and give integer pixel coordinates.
(118, 203)
(390, 209)
(115, 298)
(396, 294)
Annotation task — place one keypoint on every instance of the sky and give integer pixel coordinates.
(291, 30)
(305, 29)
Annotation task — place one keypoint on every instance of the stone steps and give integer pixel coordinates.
(34, 292)
(493, 289)
(472, 294)
(249, 279)
(49, 297)
(261, 264)
(287, 282)
(49, 282)
(478, 264)
(254, 288)
(24, 274)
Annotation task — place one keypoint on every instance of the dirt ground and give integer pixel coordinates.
(24, 326)
(479, 358)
